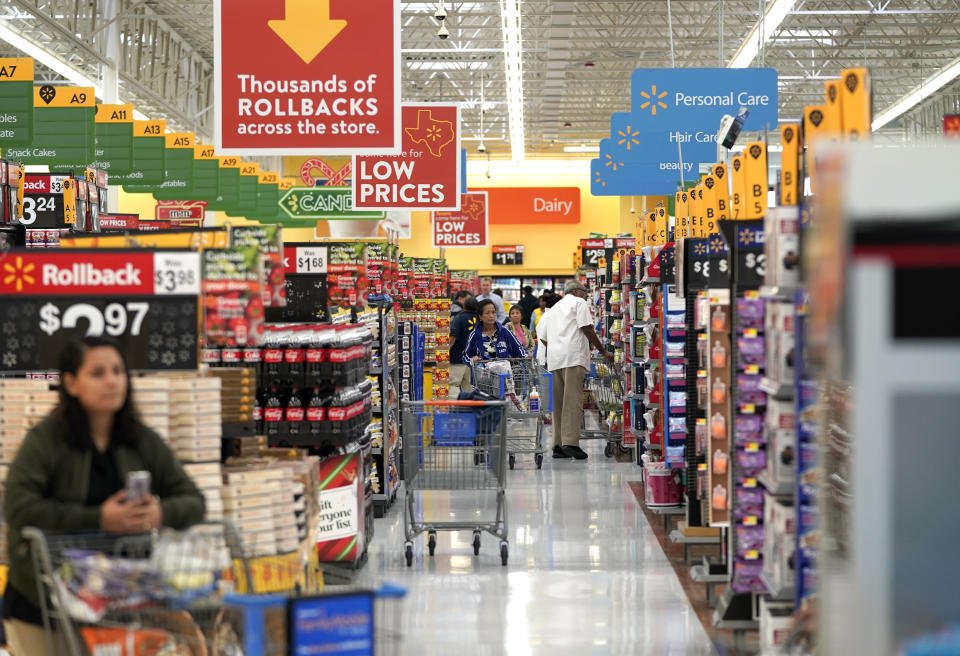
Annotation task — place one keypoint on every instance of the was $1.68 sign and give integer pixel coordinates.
(147, 301)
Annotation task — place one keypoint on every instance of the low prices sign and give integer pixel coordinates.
(233, 301)
(426, 175)
(146, 300)
(466, 228)
(307, 77)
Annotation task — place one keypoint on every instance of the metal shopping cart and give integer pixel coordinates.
(454, 445)
(528, 390)
(169, 592)
(603, 392)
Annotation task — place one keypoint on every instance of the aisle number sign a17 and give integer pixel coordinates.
(426, 175)
(466, 227)
(307, 77)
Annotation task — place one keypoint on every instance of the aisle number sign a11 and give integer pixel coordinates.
(426, 174)
(324, 77)
(113, 138)
(16, 101)
(465, 228)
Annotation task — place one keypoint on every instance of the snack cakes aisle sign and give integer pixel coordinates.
(671, 107)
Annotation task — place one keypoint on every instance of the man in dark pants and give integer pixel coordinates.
(528, 304)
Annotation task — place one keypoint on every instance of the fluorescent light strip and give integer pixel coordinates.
(926, 89)
(513, 67)
(582, 149)
(774, 16)
(54, 64)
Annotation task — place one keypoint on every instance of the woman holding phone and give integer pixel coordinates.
(73, 471)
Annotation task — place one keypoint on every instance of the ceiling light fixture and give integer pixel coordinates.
(513, 67)
(769, 23)
(926, 89)
(582, 149)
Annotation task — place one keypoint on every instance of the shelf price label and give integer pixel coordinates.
(750, 521)
(749, 483)
(753, 554)
(176, 273)
(311, 260)
(752, 369)
(114, 319)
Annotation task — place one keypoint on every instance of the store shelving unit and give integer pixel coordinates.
(386, 457)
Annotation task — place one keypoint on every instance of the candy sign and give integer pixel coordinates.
(466, 228)
(426, 175)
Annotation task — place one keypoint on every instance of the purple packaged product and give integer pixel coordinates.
(809, 516)
(752, 461)
(746, 576)
(748, 382)
(750, 310)
(749, 495)
(749, 538)
(748, 423)
(809, 454)
(750, 437)
(753, 398)
(752, 350)
(752, 510)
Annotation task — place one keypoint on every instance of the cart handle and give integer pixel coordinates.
(461, 404)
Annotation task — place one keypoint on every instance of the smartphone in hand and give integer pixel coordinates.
(138, 485)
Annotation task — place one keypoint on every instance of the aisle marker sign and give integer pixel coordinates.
(63, 128)
(324, 78)
(426, 175)
(16, 99)
(113, 136)
(465, 228)
(149, 155)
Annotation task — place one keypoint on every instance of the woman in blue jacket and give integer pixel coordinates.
(491, 340)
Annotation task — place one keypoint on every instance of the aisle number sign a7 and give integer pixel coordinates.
(16, 98)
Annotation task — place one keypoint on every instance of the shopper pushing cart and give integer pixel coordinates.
(567, 334)
(603, 389)
(452, 446)
(528, 390)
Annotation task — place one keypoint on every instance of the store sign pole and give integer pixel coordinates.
(466, 228)
(307, 77)
(426, 175)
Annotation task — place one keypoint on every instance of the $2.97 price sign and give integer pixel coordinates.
(146, 301)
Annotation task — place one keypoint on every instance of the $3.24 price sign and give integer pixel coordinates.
(147, 301)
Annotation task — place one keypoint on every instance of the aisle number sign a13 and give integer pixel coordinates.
(307, 77)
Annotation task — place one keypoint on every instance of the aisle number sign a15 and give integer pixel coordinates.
(16, 101)
(426, 174)
(307, 77)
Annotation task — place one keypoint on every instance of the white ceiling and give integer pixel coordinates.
(577, 56)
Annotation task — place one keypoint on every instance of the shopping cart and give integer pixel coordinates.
(603, 392)
(454, 445)
(528, 390)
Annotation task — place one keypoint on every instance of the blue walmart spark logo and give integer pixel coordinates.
(653, 100)
(718, 246)
(628, 137)
(699, 248)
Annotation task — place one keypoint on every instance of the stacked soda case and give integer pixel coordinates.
(320, 416)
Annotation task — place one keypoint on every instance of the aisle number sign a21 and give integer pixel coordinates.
(323, 77)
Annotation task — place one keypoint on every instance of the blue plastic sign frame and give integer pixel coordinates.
(331, 624)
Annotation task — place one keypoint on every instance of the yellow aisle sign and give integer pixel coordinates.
(149, 128)
(833, 108)
(203, 151)
(649, 229)
(70, 201)
(249, 168)
(710, 213)
(790, 164)
(755, 179)
(16, 69)
(268, 177)
(44, 96)
(702, 202)
(114, 114)
(180, 140)
(723, 191)
(855, 92)
(736, 188)
(681, 207)
(663, 221)
(286, 183)
(232, 162)
(813, 134)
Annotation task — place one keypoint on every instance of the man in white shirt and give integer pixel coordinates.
(567, 332)
(486, 287)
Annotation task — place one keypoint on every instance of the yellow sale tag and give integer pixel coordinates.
(750, 332)
(701, 373)
(750, 521)
(752, 447)
(752, 555)
(748, 409)
(51, 96)
(149, 128)
(16, 69)
(749, 482)
(753, 369)
(702, 466)
(114, 114)
(180, 140)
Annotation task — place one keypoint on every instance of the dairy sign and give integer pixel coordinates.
(466, 228)
(672, 126)
(307, 77)
(426, 174)
(145, 300)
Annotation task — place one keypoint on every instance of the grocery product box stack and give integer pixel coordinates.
(251, 497)
(151, 396)
(441, 375)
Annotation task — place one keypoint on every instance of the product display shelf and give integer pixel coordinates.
(808, 468)
(385, 456)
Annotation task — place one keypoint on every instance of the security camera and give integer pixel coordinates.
(481, 148)
(730, 127)
(443, 32)
(440, 14)
(633, 210)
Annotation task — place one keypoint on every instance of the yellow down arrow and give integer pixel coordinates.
(307, 27)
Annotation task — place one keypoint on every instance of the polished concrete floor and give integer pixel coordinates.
(585, 576)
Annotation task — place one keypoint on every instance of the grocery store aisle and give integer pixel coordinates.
(586, 574)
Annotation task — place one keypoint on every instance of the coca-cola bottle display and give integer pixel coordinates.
(273, 410)
(258, 401)
(294, 354)
(272, 358)
(295, 412)
(316, 411)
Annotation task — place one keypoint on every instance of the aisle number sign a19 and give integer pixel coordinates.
(307, 77)
(465, 228)
(426, 175)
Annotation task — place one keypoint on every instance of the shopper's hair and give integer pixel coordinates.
(470, 304)
(573, 286)
(517, 308)
(553, 299)
(70, 414)
(460, 294)
(528, 289)
(486, 279)
(483, 304)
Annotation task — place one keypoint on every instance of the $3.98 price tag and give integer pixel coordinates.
(176, 273)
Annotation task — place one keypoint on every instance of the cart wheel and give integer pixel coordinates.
(432, 542)
(539, 460)
(608, 450)
(624, 449)
(504, 553)
(477, 458)
(409, 553)
(513, 461)
(476, 543)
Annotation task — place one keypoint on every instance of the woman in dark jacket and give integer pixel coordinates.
(491, 340)
(70, 475)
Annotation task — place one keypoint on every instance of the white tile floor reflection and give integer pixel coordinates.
(586, 574)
